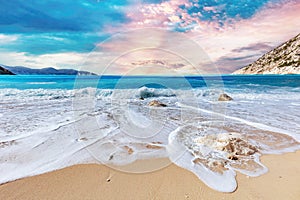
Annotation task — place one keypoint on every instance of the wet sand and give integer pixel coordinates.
(93, 181)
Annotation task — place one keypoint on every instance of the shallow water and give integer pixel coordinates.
(50, 122)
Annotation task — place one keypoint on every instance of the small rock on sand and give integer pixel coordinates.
(156, 104)
(129, 150)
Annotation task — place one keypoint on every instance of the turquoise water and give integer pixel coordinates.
(110, 82)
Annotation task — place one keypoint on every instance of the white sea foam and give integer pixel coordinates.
(46, 129)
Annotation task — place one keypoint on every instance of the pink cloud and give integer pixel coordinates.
(272, 25)
(148, 46)
(209, 8)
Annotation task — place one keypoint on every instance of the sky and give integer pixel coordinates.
(123, 36)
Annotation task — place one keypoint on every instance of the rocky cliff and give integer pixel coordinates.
(285, 59)
(4, 71)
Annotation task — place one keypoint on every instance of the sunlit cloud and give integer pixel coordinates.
(231, 40)
(58, 60)
(6, 39)
(231, 34)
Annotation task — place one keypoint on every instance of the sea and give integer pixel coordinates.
(51, 122)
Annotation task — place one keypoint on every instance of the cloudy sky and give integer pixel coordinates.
(116, 36)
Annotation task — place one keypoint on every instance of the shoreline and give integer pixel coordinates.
(95, 181)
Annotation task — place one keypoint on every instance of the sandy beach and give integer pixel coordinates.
(90, 181)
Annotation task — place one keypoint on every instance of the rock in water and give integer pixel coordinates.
(225, 97)
(156, 104)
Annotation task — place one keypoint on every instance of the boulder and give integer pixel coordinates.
(225, 97)
(156, 104)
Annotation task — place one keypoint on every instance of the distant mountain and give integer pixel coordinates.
(44, 71)
(158, 62)
(285, 59)
(4, 71)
